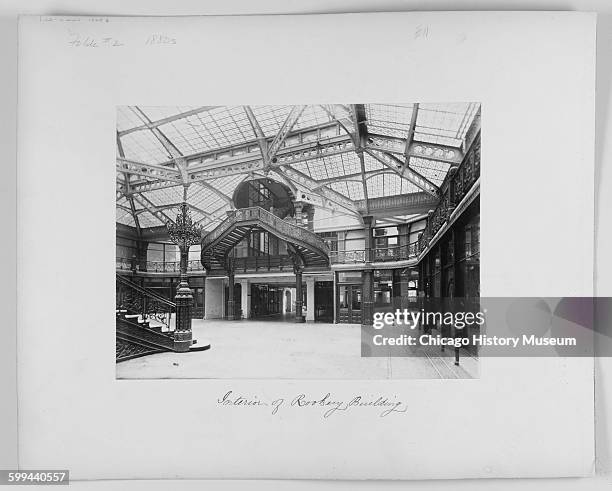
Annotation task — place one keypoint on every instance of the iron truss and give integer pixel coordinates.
(346, 132)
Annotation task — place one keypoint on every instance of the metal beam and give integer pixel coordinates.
(135, 217)
(167, 120)
(353, 177)
(151, 208)
(148, 170)
(287, 126)
(418, 149)
(341, 114)
(175, 205)
(285, 156)
(410, 136)
(281, 174)
(361, 135)
(130, 198)
(402, 170)
(249, 150)
(261, 137)
(144, 186)
(401, 204)
(324, 192)
(163, 139)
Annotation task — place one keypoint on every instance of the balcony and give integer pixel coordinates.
(378, 254)
(129, 264)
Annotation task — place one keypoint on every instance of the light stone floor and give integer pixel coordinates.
(256, 349)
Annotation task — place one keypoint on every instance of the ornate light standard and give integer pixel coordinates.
(184, 233)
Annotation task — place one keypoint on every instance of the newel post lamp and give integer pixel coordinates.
(184, 233)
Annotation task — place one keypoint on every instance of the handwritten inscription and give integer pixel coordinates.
(78, 41)
(328, 404)
(159, 39)
(421, 32)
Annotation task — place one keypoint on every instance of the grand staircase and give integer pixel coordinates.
(145, 321)
(310, 250)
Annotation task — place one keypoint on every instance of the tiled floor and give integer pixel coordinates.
(285, 350)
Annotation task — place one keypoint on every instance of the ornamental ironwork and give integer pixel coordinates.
(184, 232)
(453, 190)
(280, 225)
(151, 308)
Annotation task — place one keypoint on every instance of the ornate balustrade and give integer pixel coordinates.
(395, 253)
(378, 254)
(173, 266)
(455, 187)
(125, 264)
(133, 299)
(347, 257)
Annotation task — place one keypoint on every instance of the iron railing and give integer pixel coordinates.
(173, 266)
(262, 263)
(256, 213)
(377, 254)
(126, 264)
(142, 303)
(455, 187)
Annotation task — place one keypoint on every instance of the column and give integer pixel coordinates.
(142, 255)
(310, 299)
(230, 314)
(299, 316)
(368, 223)
(367, 303)
(184, 307)
(403, 231)
(245, 300)
(335, 297)
(367, 279)
(298, 207)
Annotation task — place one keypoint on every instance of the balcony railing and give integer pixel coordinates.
(378, 254)
(347, 257)
(262, 263)
(395, 253)
(126, 264)
(453, 190)
(173, 266)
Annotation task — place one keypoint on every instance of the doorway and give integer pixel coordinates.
(349, 304)
(324, 301)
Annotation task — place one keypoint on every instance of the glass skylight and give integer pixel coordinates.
(221, 134)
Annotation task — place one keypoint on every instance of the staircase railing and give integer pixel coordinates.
(282, 226)
(133, 299)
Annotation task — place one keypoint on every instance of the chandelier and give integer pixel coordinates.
(184, 232)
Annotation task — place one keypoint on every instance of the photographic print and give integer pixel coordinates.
(259, 241)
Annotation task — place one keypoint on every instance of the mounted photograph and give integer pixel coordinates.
(257, 242)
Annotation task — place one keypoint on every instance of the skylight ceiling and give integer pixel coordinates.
(318, 153)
